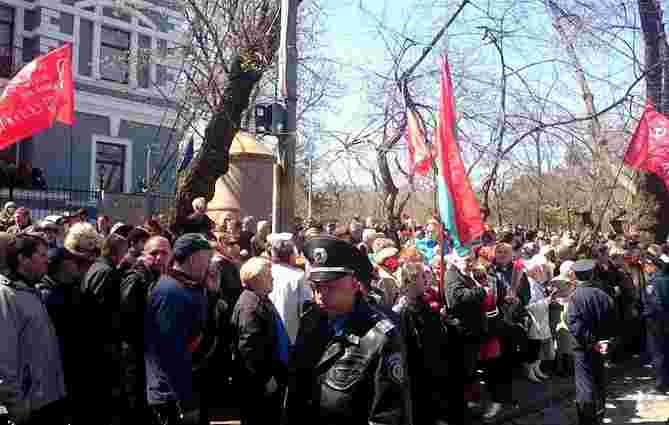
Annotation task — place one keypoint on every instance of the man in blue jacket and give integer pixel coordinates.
(175, 316)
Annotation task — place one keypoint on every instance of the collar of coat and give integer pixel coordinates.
(16, 281)
(183, 278)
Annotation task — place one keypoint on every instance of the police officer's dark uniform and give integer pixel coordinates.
(347, 369)
(655, 299)
(591, 317)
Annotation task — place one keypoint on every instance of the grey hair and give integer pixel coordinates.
(282, 250)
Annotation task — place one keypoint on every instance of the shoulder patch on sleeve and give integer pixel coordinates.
(396, 368)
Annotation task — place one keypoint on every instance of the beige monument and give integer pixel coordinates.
(246, 189)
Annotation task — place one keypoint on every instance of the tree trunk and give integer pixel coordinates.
(212, 160)
(604, 166)
(389, 188)
(649, 13)
(654, 211)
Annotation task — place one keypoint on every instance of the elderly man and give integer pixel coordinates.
(174, 320)
(290, 289)
(31, 374)
(246, 234)
(356, 229)
(464, 297)
(104, 225)
(52, 228)
(101, 298)
(349, 365)
(60, 293)
(135, 289)
(22, 221)
(7, 216)
(198, 221)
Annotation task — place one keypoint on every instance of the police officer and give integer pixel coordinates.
(591, 319)
(348, 366)
(656, 314)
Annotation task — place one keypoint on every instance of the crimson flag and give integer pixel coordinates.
(458, 205)
(649, 147)
(39, 94)
(420, 154)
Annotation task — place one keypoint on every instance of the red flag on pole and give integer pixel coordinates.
(649, 147)
(39, 94)
(420, 155)
(458, 205)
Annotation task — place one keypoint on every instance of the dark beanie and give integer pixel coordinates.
(188, 244)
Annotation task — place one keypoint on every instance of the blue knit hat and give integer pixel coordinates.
(189, 244)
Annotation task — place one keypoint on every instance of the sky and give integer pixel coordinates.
(351, 38)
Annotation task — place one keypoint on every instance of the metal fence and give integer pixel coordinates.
(52, 201)
(131, 207)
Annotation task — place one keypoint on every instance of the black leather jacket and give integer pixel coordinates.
(465, 299)
(354, 376)
(428, 358)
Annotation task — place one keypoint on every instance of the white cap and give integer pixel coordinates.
(279, 237)
(566, 267)
(584, 266)
(55, 219)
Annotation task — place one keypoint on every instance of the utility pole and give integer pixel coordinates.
(148, 167)
(148, 199)
(283, 202)
(311, 183)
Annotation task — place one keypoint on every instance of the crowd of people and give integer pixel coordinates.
(355, 323)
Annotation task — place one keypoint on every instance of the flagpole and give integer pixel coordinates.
(71, 158)
(615, 182)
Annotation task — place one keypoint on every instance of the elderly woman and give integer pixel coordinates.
(387, 262)
(564, 285)
(259, 240)
(426, 344)
(537, 273)
(260, 345)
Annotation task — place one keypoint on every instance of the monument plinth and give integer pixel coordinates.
(246, 189)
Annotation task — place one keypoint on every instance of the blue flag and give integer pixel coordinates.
(188, 156)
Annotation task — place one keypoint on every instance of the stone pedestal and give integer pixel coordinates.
(246, 189)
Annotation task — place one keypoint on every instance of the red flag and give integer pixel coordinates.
(458, 205)
(39, 94)
(649, 147)
(420, 156)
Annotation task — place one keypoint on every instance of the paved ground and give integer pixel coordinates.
(628, 401)
(552, 403)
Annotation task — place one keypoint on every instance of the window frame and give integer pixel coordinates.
(126, 177)
(11, 23)
(109, 45)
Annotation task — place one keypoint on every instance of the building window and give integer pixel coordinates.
(6, 41)
(114, 55)
(110, 163)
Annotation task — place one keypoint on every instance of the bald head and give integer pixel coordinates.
(158, 250)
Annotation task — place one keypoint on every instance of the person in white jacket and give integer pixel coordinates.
(290, 290)
(539, 333)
